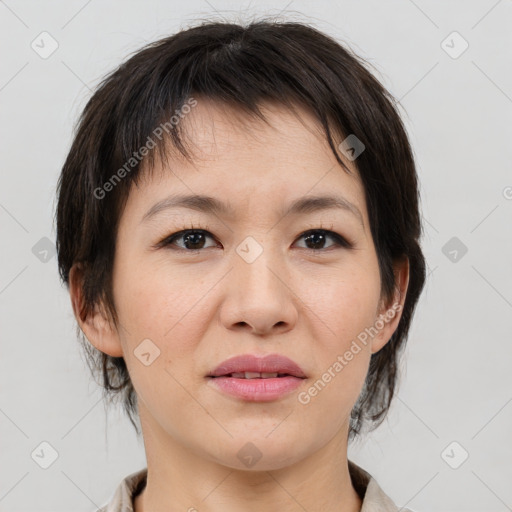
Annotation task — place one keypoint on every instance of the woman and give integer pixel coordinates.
(238, 224)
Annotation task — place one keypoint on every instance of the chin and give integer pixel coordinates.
(258, 452)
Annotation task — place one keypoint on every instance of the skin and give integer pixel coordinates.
(201, 308)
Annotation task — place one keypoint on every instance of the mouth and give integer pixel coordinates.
(254, 375)
(256, 386)
(254, 366)
(257, 378)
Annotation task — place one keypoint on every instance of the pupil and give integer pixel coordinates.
(318, 239)
(190, 240)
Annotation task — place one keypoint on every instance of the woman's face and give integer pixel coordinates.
(251, 281)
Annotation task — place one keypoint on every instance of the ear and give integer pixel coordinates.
(390, 313)
(95, 325)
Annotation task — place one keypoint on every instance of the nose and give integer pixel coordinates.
(259, 297)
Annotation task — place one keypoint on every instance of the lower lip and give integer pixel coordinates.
(257, 390)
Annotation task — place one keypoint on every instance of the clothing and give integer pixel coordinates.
(373, 497)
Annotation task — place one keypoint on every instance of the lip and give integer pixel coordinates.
(271, 363)
(258, 389)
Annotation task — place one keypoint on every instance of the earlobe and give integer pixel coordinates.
(94, 324)
(390, 313)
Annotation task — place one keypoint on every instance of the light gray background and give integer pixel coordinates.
(456, 385)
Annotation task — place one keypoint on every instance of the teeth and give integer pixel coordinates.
(254, 375)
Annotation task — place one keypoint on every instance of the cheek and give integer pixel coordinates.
(342, 309)
(153, 305)
(345, 302)
(144, 294)
(341, 353)
(163, 306)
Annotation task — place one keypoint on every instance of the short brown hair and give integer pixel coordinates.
(285, 62)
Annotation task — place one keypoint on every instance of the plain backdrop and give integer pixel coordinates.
(447, 442)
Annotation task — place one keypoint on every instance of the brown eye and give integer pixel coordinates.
(316, 239)
(191, 239)
(195, 240)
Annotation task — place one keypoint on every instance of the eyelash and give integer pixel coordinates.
(340, 241)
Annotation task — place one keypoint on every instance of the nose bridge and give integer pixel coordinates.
(257, 266)
(258, 295)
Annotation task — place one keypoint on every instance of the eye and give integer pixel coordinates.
(192, 239)
(316, 238)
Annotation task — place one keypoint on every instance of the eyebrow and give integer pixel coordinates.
(211, 205)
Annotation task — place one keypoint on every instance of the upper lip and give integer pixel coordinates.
(271, 363)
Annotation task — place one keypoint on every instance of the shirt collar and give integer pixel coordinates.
(373, 497)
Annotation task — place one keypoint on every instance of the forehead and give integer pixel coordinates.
(213, 128)
(245, 162)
